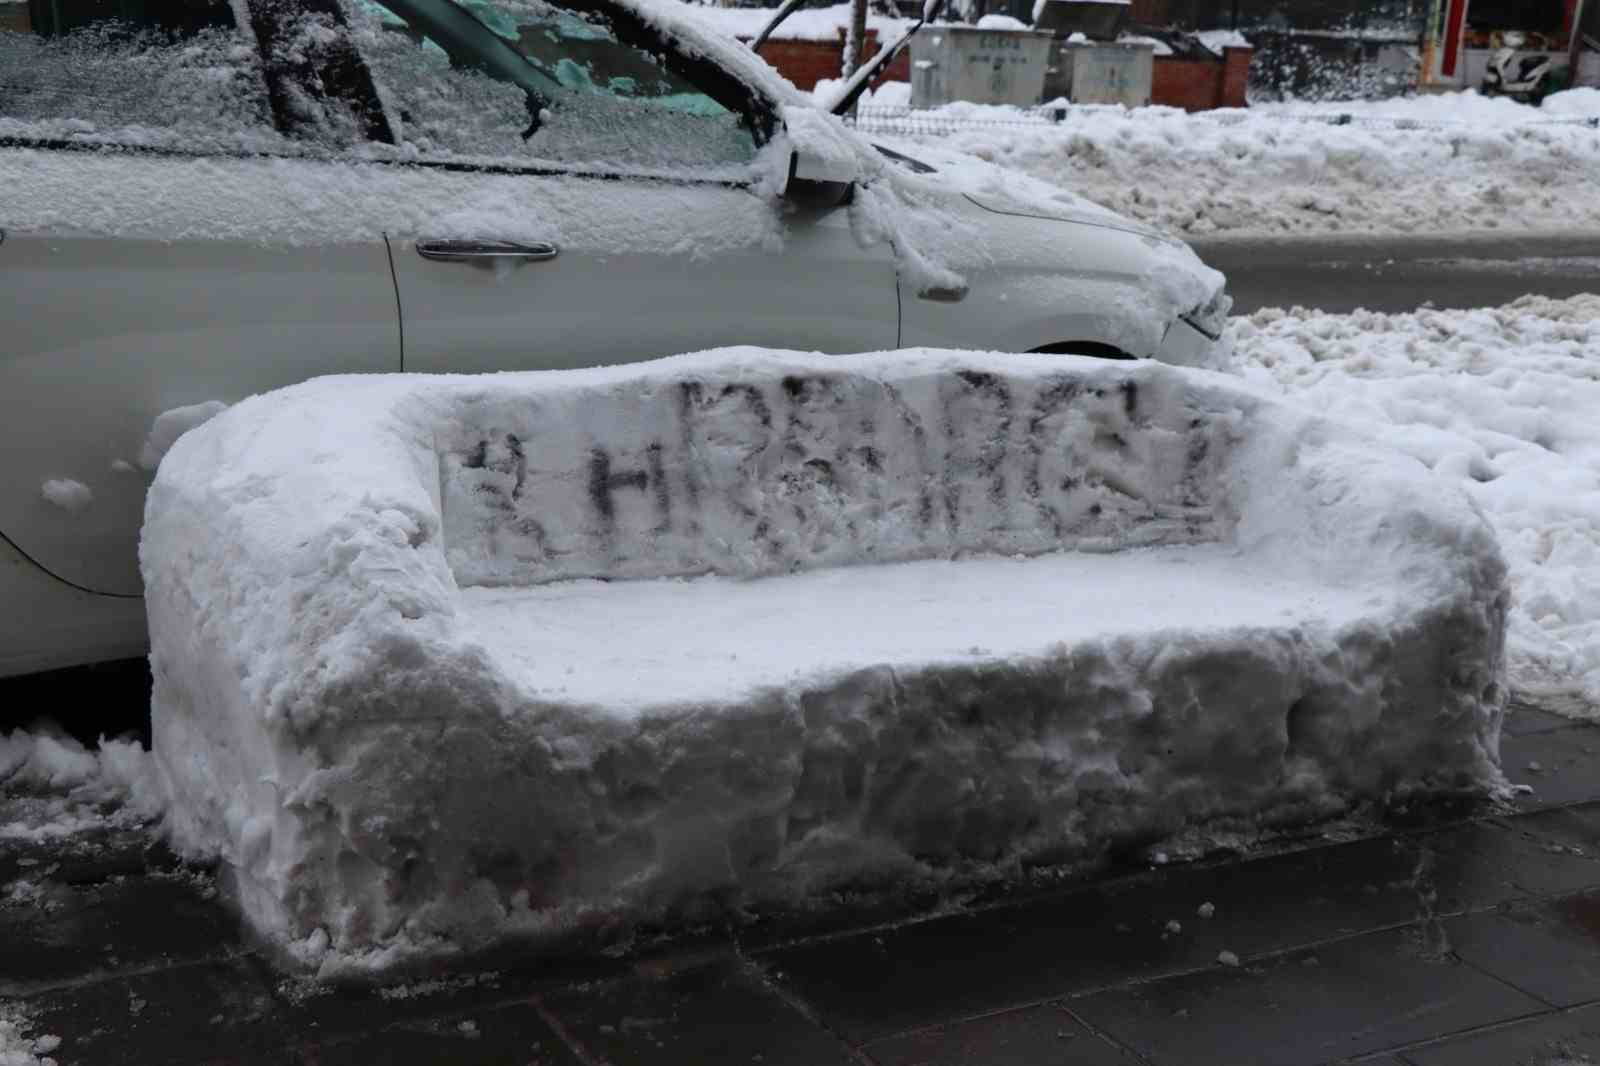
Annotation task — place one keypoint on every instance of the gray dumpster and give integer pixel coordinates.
(983, 66)
(1099, 72)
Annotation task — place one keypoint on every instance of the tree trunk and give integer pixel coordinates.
(854, 39)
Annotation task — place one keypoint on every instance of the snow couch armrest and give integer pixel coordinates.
(1312, 495)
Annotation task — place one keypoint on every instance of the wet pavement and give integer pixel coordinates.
(1338, 273)
(1449, 937)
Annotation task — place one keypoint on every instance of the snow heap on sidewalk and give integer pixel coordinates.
(1503, 402)
(444, 660)
(1447, 163)
(54, 786)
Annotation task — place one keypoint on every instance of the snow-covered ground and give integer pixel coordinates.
(56, 787)
(1504, 402)
(19, 1045)
(52, 788)
(1435, 164)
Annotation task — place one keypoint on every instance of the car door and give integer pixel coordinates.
(140, 272)
(605, 202)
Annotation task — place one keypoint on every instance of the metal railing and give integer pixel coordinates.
(943, 122)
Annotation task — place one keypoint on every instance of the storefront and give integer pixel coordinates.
(1461, 35)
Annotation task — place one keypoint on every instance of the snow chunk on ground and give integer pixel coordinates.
(440, 661)
(56, 787)
(67, 494)
(17, 1046)
(170, 425)
(1501, 402)
(1429, 164)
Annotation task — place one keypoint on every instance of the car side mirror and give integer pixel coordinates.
(813, 183)
(821, 162)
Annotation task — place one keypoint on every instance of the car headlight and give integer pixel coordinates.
(1211, 318)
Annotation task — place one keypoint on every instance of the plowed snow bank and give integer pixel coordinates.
(1453, 163)
(1505, 403)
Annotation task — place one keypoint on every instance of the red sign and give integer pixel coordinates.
(1452, 37)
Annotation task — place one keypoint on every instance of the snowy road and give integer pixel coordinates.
(1392, 274)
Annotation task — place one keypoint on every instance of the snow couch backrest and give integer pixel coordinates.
(743, 469)
(747, 462)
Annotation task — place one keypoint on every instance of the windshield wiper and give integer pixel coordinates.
(858, 81)
(788, 8)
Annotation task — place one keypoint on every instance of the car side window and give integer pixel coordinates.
(131, 73)
(539, 81)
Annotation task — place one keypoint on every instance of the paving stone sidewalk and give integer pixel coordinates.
(1462, 939)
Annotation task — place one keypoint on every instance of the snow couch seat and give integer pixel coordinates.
(445, 660)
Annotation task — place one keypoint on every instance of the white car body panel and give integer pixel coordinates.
(105, 334)
(1022, 300)
(46, 624)
(816, 287)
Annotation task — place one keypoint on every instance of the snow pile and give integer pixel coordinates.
(55, 787)
(1218, 40)
(1457, 108)
(170, 425)
(403, 690)
(1450, 163)
(67, 494)
(1502, 402)
(1582, 102)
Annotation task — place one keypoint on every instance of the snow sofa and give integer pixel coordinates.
(445, 660)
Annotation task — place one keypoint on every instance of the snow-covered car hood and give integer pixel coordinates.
(1011, 192)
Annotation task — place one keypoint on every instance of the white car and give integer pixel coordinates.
(195, 210)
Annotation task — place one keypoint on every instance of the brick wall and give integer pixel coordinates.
(1235, 77)
(1151, 12)
(1192, 84)
(14, 17)
(807, 62)
(1202, 84)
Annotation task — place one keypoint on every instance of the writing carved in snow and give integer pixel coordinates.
(753, 477)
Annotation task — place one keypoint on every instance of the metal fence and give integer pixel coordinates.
(944, 122)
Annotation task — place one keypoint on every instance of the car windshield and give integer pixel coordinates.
(564, 82)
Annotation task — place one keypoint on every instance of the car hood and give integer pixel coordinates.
(1009, 192)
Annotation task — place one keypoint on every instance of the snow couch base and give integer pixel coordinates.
(445, 662)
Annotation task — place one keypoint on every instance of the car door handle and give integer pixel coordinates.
(469, 251)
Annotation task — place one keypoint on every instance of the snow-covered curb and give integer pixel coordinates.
(1502, 402)
(1441, 164)
(386, 697)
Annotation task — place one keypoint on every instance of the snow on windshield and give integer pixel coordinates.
(142, 85)
(583, 96)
